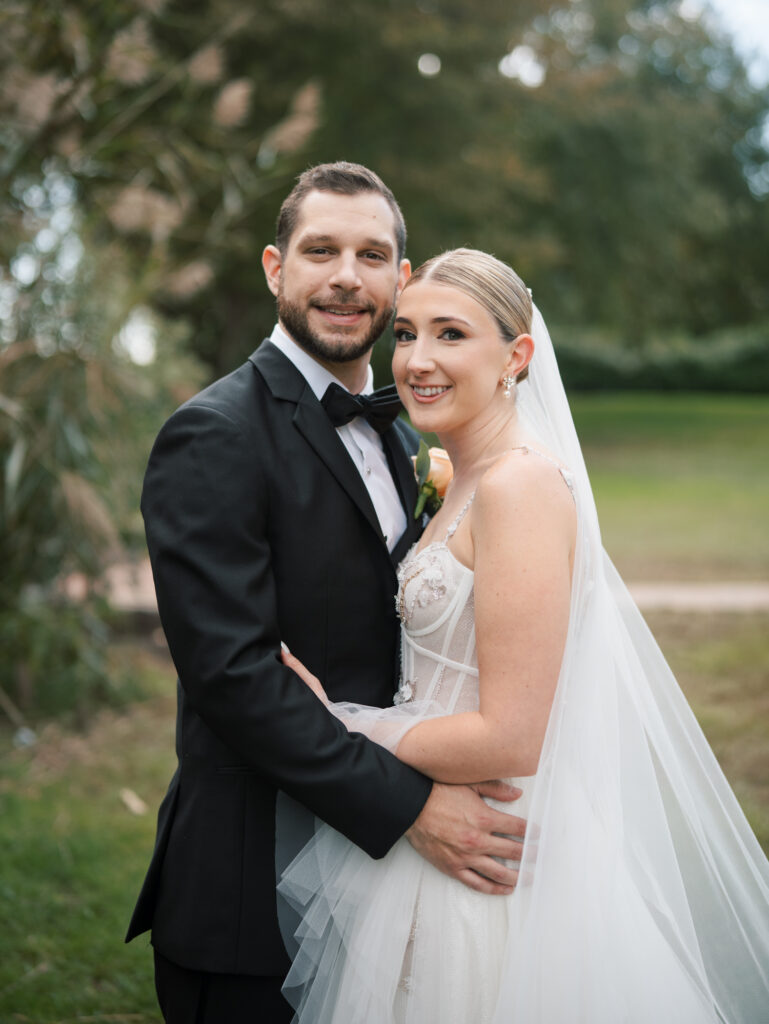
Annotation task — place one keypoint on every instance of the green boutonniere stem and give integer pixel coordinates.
(428, 500)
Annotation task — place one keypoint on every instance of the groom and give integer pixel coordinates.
(275, 511)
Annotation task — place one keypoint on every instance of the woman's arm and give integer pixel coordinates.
(523, 524)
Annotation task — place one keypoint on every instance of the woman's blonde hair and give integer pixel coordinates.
(490, 282)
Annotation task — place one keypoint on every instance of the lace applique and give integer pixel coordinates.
(427, 565)
(405, 691)
(425, 568)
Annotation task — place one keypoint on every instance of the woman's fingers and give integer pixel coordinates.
(483, 883)
(304, 674)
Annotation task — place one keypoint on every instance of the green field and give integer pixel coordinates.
(682, 488)
(74, 855)
(681, 483)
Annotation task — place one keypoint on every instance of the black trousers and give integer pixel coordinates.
(199, 997)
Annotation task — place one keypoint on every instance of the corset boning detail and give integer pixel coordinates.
(435, 602)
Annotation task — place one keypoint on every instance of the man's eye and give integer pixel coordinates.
(374, 256)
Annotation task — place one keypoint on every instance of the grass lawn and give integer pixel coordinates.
(722, 664)
(73, 859)
(681, 482)
(74, 855)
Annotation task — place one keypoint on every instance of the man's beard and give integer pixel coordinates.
(294, 319)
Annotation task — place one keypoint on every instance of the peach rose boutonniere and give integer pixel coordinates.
(434, 472)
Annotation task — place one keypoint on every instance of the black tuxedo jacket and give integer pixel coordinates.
(260, 529)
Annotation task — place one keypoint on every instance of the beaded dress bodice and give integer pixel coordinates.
(435, 605)
(437, 613)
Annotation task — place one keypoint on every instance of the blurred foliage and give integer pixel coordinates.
(611, 150)
(729, 360)
(77, 417)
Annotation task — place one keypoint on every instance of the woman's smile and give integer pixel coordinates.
(427, 393)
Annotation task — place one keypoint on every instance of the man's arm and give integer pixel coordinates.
(206, 510)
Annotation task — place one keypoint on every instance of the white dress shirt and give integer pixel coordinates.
(362, 442)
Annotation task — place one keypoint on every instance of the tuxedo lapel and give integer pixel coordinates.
(402, 470)
(311, 420)
(287, 383)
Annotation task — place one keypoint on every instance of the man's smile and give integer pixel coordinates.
(341, 314)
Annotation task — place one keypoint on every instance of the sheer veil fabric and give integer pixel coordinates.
(644, 895)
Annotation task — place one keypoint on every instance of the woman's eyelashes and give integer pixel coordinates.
(405, 334)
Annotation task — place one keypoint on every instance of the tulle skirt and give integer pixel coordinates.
(392, 941)
(395, 941)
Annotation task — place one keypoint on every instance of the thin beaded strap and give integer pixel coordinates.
(453, 528)
(566, 474)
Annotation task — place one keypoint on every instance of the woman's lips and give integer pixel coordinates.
(425, 394)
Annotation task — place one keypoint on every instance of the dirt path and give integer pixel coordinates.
(131, 589)
(737, 596)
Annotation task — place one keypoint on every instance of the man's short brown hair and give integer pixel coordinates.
(345, 179)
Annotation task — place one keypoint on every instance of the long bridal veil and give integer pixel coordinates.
(643, 894)
(644, 858)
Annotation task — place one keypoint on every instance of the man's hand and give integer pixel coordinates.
(461, 835)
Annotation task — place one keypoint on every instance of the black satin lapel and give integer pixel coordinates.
(410, 536)
(402, 470)
(280, 374)
(314, 424)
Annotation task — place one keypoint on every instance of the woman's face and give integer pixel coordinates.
(450, 358)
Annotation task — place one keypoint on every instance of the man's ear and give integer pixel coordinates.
(272, 262)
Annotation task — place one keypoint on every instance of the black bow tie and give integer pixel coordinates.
(380, 408)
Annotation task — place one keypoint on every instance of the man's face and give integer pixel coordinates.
(337, 282)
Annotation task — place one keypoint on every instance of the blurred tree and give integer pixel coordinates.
(77, 416)
(650, 139)
(611, 150)
(605, 147)
(182, 126)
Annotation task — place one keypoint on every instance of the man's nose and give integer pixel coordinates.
(345, 274)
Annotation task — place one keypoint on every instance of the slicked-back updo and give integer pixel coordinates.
(489, 281)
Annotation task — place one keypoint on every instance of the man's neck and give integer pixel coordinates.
(353, 374)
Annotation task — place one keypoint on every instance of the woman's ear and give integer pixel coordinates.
(521, 351)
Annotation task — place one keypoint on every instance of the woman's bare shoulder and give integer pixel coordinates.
(525, 478)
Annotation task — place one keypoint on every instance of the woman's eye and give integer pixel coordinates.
(401, 334)
(452, 334)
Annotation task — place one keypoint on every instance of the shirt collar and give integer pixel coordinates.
(317, 376)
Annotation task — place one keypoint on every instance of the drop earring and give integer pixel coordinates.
(509, 384)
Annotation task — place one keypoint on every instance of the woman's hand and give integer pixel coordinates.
(304, 674)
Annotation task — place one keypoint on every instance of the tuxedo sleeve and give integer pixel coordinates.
(205, 507)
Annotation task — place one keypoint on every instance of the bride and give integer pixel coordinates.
(643, 896)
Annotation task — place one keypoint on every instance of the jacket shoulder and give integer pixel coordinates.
(409, 437)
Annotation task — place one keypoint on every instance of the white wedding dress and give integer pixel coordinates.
(644, 896)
